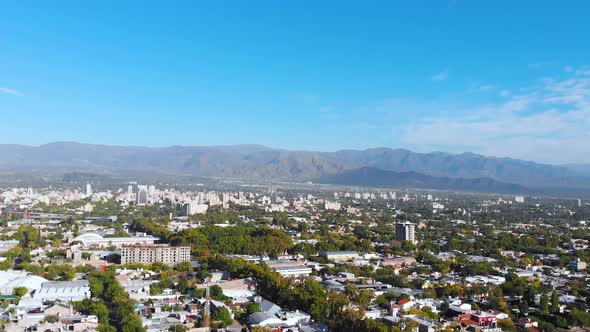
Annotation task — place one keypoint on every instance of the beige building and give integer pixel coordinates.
(339, 256)
(398, 261)
(155, 253)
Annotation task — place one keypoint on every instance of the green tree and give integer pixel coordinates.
(155, 289)
(554, 302)
(544, 304)
(580, 318)
(507, 325)
(252, 308)
(217, 293)
(20, 291)
(546, 327)
(133, 324)
(222, 315)
(182, 285)
(158, 267)
(408, 325)
(364, 297)
(106, 328)
(184, 267)
(351, 290)
(101, 311)
(121, 309)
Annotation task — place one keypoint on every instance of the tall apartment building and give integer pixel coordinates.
(405, 231)
(191, 208)
(141, 196)
(155, 253)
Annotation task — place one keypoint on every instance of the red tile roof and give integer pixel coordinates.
(403, 301)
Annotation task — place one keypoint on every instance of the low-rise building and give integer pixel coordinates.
(398, 261)
(339, 256)
(290, 268)
(578, 265)
(94, 240)
(63, 291)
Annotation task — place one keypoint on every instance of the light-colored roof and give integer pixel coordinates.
(31, 282)
(88, 236)
(97, 238)
(344, 252)
(7, 276)
(65, 284)
(11, 279)
(259, 317)
(63, 290)
(237, 284)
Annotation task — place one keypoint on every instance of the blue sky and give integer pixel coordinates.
(500, 78)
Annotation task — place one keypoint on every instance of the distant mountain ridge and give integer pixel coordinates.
(260, 162)
(373, 177)
(579, 169)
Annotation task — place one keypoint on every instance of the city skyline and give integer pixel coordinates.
(453, 77)
(295, 166)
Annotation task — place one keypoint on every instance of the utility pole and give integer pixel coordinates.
(207, 306)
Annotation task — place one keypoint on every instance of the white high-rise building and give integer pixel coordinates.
(151, 194)
(141, 195)
(191, 208)
(579, 202)
(88, 189)
(405, 231)
(519, 199)
(130, 189)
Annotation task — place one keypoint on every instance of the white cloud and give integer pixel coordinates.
(504, 93)
(442, 76)
(11, 91)
(549, 122)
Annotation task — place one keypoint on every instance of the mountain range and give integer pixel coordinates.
(370, 167)
(373, 177)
